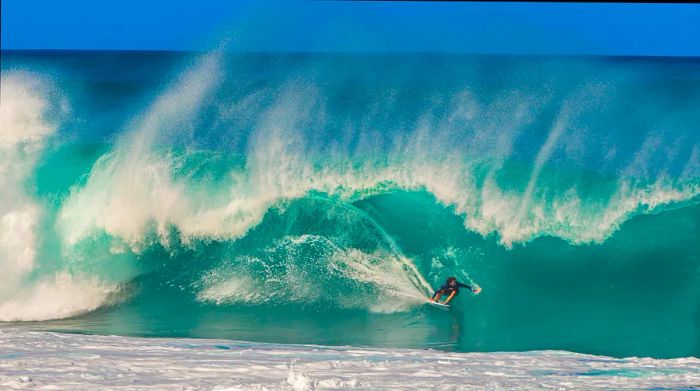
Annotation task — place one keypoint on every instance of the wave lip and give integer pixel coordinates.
(294, 142)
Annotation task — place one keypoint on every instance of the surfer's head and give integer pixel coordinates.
(451, 281)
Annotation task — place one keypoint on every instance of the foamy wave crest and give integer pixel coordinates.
(29, 114)
(25, 122)
(471, 186)
(56, 297)
(568, 216)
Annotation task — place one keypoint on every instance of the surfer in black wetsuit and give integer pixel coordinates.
(451, 289)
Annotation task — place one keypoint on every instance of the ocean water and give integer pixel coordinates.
(319, 198)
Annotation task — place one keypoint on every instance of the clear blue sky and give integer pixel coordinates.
(346, 26)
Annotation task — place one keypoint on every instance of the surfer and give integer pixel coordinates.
(451, 289)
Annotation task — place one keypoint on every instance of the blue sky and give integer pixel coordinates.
(346, 26)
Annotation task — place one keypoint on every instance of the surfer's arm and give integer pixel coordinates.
(474, 289)
(450, 297)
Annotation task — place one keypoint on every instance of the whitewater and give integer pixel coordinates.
(309, 203)
(50, 361)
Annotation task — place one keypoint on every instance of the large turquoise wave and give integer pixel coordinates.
(320, 198)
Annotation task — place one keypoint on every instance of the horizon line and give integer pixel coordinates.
(299, 52)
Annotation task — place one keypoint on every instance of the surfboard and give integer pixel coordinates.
(439, 305)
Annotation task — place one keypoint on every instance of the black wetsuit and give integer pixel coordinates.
(447, 289)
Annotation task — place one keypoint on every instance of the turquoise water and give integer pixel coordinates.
(319, 198)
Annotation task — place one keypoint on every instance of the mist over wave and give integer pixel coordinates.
(351, 183)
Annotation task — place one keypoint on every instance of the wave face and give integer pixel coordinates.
(320, 198)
